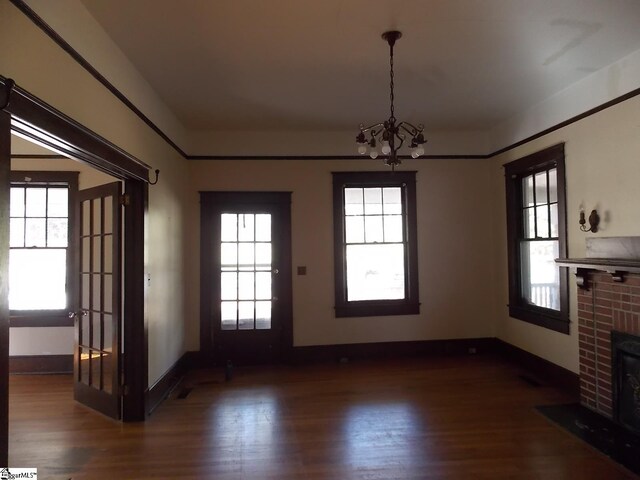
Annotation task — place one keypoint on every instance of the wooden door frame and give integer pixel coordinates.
(32, 118)
(208, 200)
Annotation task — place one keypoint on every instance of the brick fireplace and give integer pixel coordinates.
(606, 305)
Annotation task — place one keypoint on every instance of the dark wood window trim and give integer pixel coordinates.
(52, 318)
(410, 305)
(514, 172)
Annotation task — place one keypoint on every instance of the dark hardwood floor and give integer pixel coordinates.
(431, 418)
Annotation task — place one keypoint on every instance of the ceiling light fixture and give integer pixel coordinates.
(389, 134)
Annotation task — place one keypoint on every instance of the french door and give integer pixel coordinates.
(97, 318)
(246, 272)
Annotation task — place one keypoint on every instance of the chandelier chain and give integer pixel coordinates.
(391, 96)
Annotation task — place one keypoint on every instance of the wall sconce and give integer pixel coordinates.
(594, 221)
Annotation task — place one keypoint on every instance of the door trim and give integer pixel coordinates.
(31, 117)
(208, 201)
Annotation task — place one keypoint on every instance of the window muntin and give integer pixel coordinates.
(375, 244)
(536, 226)
(41, 251)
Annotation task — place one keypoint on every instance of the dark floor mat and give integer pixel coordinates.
(599, 432)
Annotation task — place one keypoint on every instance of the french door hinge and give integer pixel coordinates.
(125, 199)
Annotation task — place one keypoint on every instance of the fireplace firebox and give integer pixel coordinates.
(625, 362)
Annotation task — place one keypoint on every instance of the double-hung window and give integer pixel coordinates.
(536, 226)
(41, 254)
(375, 243)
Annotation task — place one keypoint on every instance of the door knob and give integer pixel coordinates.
(276, 271)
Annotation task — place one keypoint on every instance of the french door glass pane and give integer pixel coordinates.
(540, 274)
(245, 271)
(375, 272)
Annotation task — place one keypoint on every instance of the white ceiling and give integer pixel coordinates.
(321, 65)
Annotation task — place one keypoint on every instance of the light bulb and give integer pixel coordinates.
(373, 154)
(362, 148)
(386, 149)
(420, 150)
(414, 153)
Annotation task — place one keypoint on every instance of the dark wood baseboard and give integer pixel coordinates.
(160, 390)
(357, 351)
(543, 370)
(40, 364)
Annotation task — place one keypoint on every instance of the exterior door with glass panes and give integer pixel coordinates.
(97, 317)
(248, 292)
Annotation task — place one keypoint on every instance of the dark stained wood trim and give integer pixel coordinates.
(544, 370)
(136, 324)
(30, 364)
(361, 351)
(62, 43)
(329, 157)
(574, 119)
(5, 172)
(163, 387)
(36, 120)
(37, 156)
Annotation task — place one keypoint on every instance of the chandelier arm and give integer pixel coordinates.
(371, 127)
(410, 128)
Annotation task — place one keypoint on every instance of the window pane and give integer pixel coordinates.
(36, 202)
(17, 202)
(245, 227)
(229, 227)
(35, 233)
(353, 201)
(542, 214)
(354, 229)
(527, 190)
(228, 286)
(373, 229)
(57, 232)
(16, 232)
(393, 228)
(375, 272)
(540, 274)
(245, 315)
(263, 315)
(541, 188)
(553, 185)
(58, 202)
(263, 227)
(37, 279)
(392, 200)
(372, 201)
(529, 223)
(554, 220)
(229, 254)
(228, 315)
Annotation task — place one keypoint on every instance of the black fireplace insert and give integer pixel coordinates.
(625, 364)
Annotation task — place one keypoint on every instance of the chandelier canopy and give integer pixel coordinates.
(390, 134)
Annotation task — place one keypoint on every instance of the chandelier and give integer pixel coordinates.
(390, 133)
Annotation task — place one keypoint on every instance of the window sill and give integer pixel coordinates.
(40, 319)
(558, 323)
(376, 309)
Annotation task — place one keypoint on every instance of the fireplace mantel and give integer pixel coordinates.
(615, 255)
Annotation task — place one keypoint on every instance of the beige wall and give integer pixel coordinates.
(455, 257)
(51, 340)
(44, 69)
(603, 172)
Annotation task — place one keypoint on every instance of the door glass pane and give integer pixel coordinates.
(97, 331)
(540, 274)
(97, 283)
(108, 253)
(229, 254)
(97, 216)
(97, 254)
(263, 315)
(228, 286)
(84, 365)
(245, 255)
(85, 208)
(263, 285)
(107, 281)
(375, 272)
(229, 227)
(353, 201)
(263, 227)
(85, 321)
(96, 370)
(108, 333)
(85, 291)
(229, 315)
(86, 254)
(108, 215)
(245, 227)
(245, 315)
(263, 256)
(246, 285)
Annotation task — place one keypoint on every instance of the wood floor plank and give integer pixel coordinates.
(432, 418)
